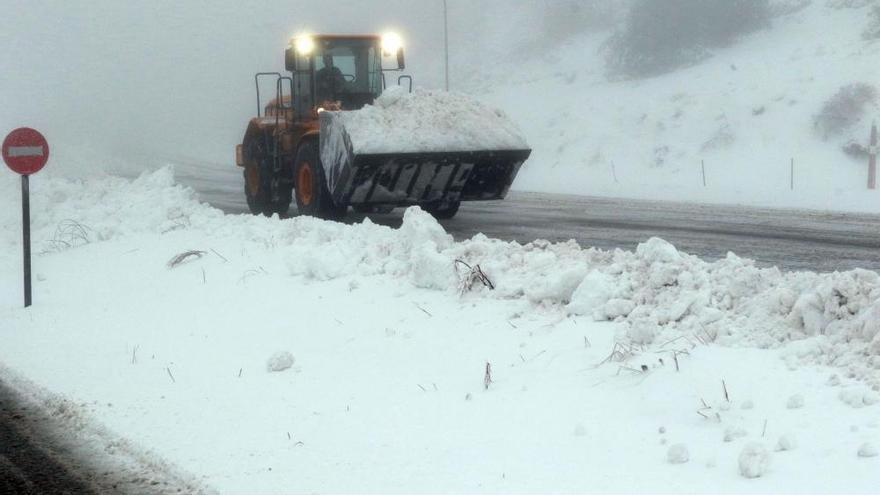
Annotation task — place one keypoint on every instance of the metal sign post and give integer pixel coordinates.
(26, 236)
(25, 151)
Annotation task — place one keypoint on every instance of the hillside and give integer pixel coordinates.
(746, 111)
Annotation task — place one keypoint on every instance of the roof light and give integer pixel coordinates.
(303, 44)
(391, 43)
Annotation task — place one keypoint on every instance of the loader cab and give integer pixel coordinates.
(339, 72)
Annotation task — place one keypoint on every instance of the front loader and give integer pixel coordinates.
(299, 147)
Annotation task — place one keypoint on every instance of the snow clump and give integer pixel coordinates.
(867, 450)
(734, 433)
(786, 442)
(795, 402)
(754, 461)
(678, 454)
(594, 290)
(279, 361)
(857, 397)
(657, 250)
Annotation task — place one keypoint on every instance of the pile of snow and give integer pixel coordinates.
(429, 120)
(656, 293)
(662, 294)
(69, 212)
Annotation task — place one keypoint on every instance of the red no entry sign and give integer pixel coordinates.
(25, 151)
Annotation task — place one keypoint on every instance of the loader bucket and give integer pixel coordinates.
(410, 178)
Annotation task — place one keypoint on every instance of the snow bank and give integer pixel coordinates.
(70, 212)
(656, 293)
(429, 120)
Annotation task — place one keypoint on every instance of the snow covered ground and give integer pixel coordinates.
(613, 372)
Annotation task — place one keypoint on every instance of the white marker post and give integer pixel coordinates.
(872, 158)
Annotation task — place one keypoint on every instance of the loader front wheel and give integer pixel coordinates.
(312, 196)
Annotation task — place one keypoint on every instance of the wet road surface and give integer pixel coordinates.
(789, 239)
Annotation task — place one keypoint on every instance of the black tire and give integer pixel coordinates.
(312, 196)
(366, 210)
(258, 187)
(442, 212)
(254, 194)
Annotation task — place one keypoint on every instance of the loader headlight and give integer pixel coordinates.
(391, 42)
(303, 44)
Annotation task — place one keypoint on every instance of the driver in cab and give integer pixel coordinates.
(329, 80)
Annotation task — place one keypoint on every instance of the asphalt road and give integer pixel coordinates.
(39, 455)
(28, 462)
(789, 239)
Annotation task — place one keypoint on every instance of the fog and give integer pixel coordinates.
(169, 78)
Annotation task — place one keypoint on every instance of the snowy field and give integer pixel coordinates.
(609, 372)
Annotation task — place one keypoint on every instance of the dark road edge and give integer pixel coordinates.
(50, 445)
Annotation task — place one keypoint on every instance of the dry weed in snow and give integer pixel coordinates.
(184, 257)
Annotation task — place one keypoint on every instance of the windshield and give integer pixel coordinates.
(348, 71)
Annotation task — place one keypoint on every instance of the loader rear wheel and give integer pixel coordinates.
(312, 196)
(443, 212)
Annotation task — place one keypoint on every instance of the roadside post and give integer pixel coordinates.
(25, 151)
(872, 158)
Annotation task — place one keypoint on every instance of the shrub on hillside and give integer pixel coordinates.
(872, 31)
(844, 109)
(786, 7)
(565, 18)
(555, 21)
(661, 35)
(848, 4)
